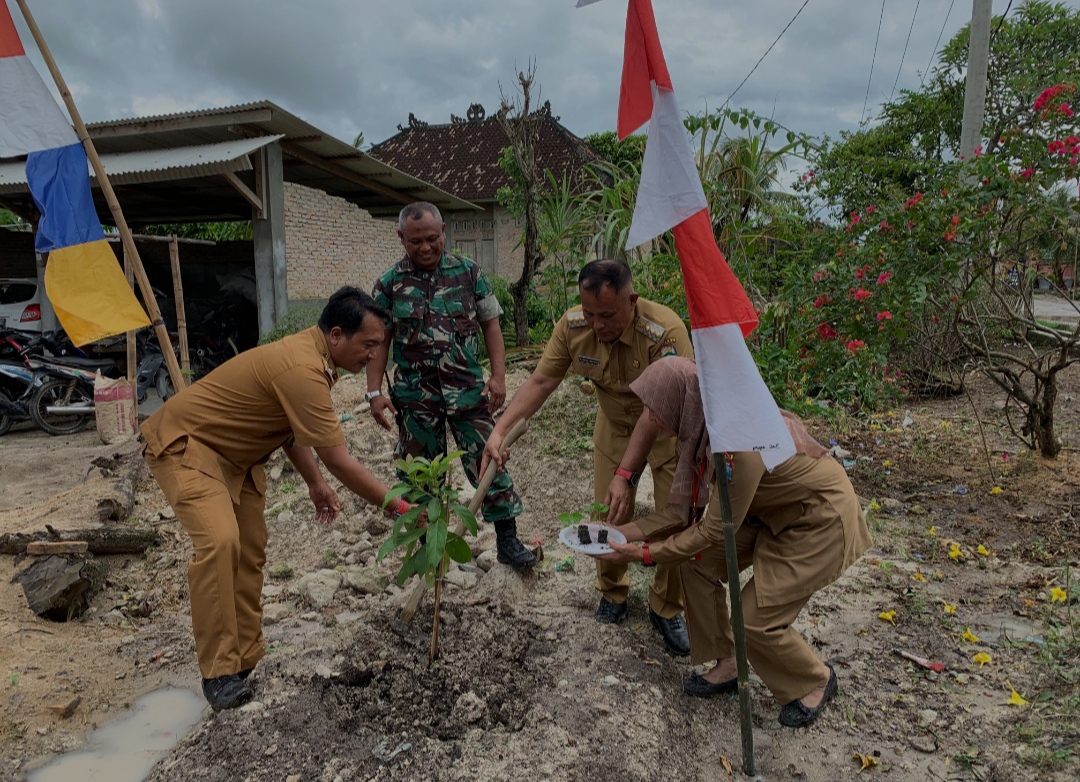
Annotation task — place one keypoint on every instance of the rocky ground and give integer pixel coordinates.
(528, 683)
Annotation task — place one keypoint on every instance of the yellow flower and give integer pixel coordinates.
(939, 575)
(955, 553)
(949, 608)
(888, 616)
(944, 424)
(886, 463)
(918, 576)
(932, 532)
(1016, 699)
(996, 490)
(982, 658)
(969, 636)
(982, 550)
(875, 505)
(1058, 595)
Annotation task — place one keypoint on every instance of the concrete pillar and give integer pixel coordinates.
(269, 240)
(48, 314)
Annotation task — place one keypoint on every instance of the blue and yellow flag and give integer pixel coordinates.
(84, 281)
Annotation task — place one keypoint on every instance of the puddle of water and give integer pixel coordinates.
(1017, 629)
(127, 748)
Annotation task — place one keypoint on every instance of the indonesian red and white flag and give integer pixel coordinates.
(740, 412)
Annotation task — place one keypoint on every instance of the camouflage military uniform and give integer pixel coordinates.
(437, 376)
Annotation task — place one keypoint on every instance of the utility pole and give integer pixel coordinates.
(975, 87)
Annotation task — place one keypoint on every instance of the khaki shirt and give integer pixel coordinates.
(240, 413)
(811, 527)
(654, 331)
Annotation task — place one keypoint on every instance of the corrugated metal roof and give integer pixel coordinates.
(265, 117)
(156, 165)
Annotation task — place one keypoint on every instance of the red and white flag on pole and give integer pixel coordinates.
(740, 412)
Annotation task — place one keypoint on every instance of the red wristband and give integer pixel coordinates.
(646, 557)
(402, 508)
(630, 477)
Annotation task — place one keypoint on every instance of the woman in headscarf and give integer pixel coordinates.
(800, 526)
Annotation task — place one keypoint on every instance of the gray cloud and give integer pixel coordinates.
(347, 66)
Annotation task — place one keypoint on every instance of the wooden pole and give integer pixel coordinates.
(129, 338)
(178, 295)
(737, 625)
(110, 199)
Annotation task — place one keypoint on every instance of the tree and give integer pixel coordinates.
(628, 152)
(520, 121)
(1038, 46)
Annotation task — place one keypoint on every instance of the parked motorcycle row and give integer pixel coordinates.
(45, 379)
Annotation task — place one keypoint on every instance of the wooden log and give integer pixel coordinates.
(60, 587)
(39, 548)
(101, 540)
(119, 505)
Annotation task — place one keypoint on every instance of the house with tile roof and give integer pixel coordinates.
(462, 158)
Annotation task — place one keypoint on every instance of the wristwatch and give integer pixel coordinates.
(631, 477)
(372, 394)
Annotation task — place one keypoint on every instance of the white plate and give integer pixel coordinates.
(568, 537)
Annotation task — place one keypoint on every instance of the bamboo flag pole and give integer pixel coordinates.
(110, 198)
(737, 626)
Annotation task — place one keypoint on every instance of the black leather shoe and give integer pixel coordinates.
(611, 613)
(226, 692)
(673, 631)
(796, 715)
(508, 549)
(697, 685)
(246, 673)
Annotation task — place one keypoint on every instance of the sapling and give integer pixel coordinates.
(429, 542)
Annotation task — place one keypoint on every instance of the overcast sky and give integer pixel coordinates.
(362, 65)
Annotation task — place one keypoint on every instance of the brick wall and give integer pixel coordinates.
(330, 242)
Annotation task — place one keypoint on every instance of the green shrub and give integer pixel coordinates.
(298, 318)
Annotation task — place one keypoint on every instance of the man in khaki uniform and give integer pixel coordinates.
(609, 340)
(207, 446)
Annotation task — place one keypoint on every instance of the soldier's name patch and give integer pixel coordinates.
(589, 360)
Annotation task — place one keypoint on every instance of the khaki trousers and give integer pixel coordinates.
(666, 592)
(780, 656)
(226, 575)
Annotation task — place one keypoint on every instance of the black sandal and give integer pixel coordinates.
(796, 715)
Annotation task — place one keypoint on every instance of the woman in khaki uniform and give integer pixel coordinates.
(800, 526)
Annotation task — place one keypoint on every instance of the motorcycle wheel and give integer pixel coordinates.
(62, 392)
(6, 419)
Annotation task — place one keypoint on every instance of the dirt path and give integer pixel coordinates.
(529, 683)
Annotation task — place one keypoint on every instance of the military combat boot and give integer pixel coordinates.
(509, 549)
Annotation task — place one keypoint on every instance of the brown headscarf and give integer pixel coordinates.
(669, 387)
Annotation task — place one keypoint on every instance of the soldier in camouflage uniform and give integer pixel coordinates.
(438, 305)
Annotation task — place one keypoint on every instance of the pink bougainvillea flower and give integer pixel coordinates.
(1065, 109)
(915, 200)
(978, 150)
(884, 226)
(883, 277)
(818, 276)
(910, 223)
(821, 301)
(1049, 94)
(956, 220)
(871, 209)
(1056, 146)
(861, 294)
(1026, 173)
(884, 315)
(825, 331)
(855, 345)
(944, 192)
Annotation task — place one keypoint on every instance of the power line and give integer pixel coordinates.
(936, 43)
(874, 60)
(1001, 21)
(732, 95)
(902, 56)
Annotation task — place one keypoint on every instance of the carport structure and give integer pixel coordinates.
(229, 164)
